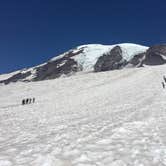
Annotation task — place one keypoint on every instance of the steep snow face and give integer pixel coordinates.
(92, 52)
(130, 50)
(90, 55)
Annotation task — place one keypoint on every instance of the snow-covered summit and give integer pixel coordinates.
(91, 52)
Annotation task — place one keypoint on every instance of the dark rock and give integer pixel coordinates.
(137, 60)
(110, 61)
(154, 55)
(55, 69)
(16, 77)
(50, 70)
(72, 53)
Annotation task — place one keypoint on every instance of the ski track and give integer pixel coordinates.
(98, 119)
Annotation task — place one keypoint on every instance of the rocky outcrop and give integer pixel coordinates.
(72, 53)
(110, 61)
(137, 60)
(16, 77)
(55, 69)
(51, 70)
(156, 55)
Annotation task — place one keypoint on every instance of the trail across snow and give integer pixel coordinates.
(115, 118)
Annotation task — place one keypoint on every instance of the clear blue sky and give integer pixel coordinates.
(33, 31)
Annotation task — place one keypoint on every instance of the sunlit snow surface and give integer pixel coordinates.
(115, 118)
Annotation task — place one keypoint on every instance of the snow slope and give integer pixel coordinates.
(113, 118)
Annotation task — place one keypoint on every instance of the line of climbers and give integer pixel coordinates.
(28, 101)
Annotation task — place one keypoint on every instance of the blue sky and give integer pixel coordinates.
(33, 31)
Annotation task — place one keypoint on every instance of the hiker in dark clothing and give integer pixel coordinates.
(30, 101)
(27, 101)
(23, 102)
(163, 85)
(164, 79)
(33, 100)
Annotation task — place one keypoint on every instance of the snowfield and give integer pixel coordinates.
(115, 118)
